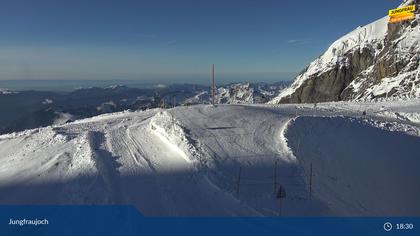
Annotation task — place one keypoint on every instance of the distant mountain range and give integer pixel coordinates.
(240, 93)
(31, 109)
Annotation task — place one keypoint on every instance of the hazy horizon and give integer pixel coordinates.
(64, 85)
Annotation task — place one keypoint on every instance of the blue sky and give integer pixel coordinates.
(172, 40)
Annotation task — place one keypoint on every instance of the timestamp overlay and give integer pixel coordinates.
(400, 226)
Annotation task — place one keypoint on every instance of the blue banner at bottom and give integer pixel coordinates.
(126, 220)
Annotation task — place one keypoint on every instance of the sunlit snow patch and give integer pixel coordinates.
(171, 132)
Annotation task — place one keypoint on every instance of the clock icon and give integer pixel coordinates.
(387, 226)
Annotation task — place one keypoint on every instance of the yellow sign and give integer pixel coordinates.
(398, 18)
(402, 10)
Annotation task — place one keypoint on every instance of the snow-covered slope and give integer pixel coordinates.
(362, 36)
(358, 169)
(373, 61)
(225, 160)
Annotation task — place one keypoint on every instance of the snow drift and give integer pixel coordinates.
(170, 130)
(358, 169)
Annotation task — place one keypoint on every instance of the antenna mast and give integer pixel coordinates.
(213, 89)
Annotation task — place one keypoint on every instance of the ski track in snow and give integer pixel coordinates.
(204, 160)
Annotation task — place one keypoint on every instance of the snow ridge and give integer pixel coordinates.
(171, 131)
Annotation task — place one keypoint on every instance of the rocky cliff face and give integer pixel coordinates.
(375, 61)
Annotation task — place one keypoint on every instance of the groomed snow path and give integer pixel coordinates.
(227, 160)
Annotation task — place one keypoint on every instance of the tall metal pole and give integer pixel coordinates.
(310, 183)
(238, 181)
(213, 89)
(275, 177)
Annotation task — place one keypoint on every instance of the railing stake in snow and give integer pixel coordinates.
(310, 182)
(275, 177)
(281, 194)
(213, 87)
(298, 146)
(279, 206)
(238, 180)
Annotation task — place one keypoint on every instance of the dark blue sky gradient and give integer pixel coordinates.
(172, 39)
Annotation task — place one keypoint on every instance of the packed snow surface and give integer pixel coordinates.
(227, 160)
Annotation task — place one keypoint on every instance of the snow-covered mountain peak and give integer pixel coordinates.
(354, 64)
(239, 93)
(406, 3)
(361, 37)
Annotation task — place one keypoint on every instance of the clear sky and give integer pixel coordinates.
(172, 40)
